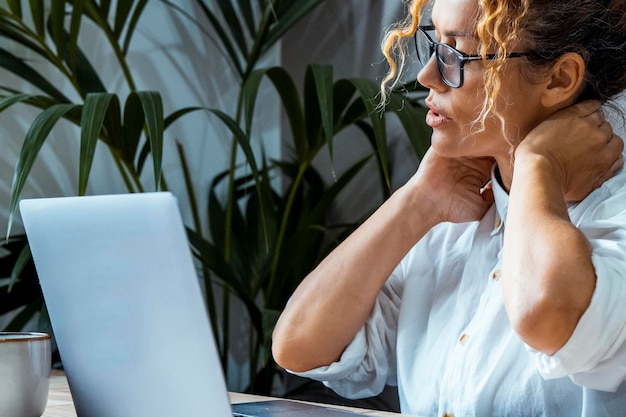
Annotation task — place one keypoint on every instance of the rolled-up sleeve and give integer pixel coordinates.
(595, 355)
(368, 363)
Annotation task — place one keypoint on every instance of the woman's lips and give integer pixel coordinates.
(434, 119)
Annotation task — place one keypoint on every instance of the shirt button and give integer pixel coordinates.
(463, 339)
(448, 415)
(496, 275)
(498, 223)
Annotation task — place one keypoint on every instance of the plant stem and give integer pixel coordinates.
(230, 206)
(251, 60)
(230, 203)
(130, 178)
(253, 354)
(119, 54)
(226, 327)
(255, 51)
(283, 229)
(193, 204)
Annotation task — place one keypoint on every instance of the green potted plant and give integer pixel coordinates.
(263, 237)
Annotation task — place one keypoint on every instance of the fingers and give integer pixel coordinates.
(616, 145)
(617, 141)
(482, 165)
(588, 108)
(606, 129)
(617, 165)
(614, 149)
(597, 119)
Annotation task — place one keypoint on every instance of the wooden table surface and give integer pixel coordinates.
(60, 400)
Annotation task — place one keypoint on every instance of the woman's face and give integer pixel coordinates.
(453, 111)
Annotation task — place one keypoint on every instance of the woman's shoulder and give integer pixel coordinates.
(606, 202)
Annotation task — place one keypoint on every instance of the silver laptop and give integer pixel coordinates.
(127, 310)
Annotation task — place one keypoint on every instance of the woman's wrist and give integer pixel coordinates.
(532, 167)
(418, 207)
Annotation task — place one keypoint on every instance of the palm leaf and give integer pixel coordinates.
(132, 24)
(217, 222)
(86, 76)
(92, 119)
(411, 118)
(37, 14)
(324, 203)
(35, 138)
(288, 93)
(18, 67)
(178, 114)
(153, 110)
(6, 102)
(233, 24)
(225, 41)
(323, 77)
(22, 260)
(312, 111)
(208, 255)
(244, 142)
(122, 12)
(355, 110)
(24, 316)
(112, 132)
(72, 39)
(16, 7)
(145, 150)
(105, 7)
(292, 15)
(57, 23)
(134, 121)
(344, 92)
(368, 132)
(368, 90)
(9, 30)
(245, 8)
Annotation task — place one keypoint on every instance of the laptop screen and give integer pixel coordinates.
(125, 305)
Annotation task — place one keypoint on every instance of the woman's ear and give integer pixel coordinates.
(565, 81)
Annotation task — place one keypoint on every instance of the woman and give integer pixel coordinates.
(494, 282)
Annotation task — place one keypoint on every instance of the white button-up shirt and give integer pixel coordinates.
(439, 330)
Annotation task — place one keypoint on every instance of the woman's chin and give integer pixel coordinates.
(445, 146)
(471, 147)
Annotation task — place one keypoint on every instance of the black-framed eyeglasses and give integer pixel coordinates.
(450, 61)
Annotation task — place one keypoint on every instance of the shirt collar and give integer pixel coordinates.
(501, 197)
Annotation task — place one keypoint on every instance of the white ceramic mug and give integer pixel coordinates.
(24, 373)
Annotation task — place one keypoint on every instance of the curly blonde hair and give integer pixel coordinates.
(594, 29)
(498, 29)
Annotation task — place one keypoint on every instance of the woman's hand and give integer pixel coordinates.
(549, 277)
(455, 189)
(579, 146)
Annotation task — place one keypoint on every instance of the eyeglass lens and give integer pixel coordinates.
(448, 60)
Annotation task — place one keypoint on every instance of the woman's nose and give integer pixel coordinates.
(429, 75)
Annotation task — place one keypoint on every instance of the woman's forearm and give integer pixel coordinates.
(548, 277)
(334, 301)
